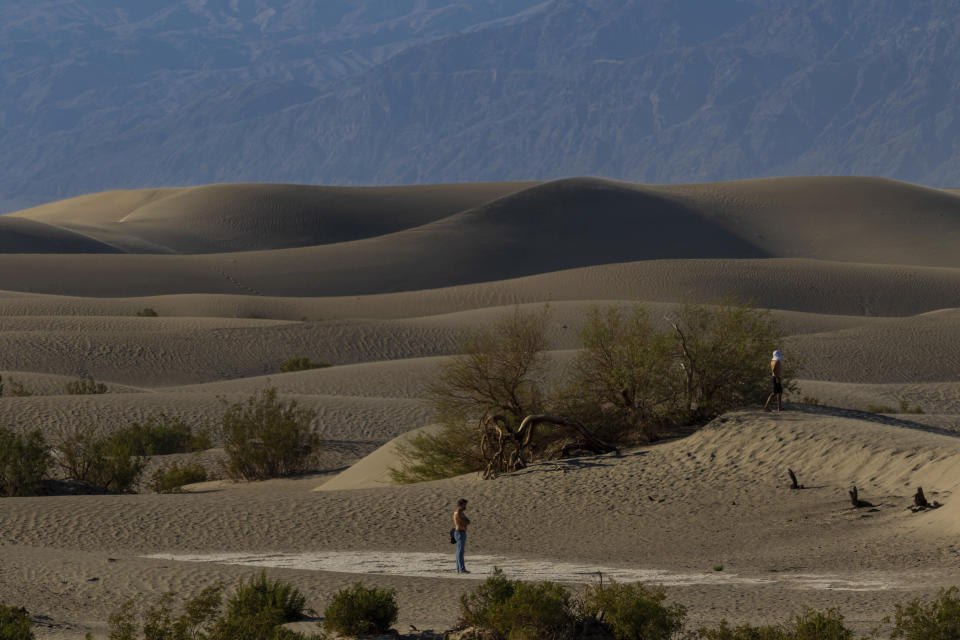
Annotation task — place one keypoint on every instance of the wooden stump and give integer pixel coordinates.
(920, 500)
(793, 480)
(856, 501)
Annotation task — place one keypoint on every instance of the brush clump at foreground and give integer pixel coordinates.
(500, 608)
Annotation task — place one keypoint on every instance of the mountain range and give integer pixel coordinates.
(98, 95)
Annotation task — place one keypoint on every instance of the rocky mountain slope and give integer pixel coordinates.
(107, 95)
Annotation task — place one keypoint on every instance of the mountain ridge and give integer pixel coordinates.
(451, 91)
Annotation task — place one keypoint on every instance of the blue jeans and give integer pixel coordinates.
(461, 538)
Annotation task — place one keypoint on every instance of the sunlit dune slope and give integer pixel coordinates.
(246, 217)
(21, 235)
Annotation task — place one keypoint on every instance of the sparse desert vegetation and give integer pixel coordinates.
(171, 478)
(254, 610)
(24, 460)
(499, 608)
(360, 610)
(301, 364)
(83, 453)
(15, 623)
(629, 382)
(85, 386)
(266, 437)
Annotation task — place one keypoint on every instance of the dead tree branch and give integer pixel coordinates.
(507, 450)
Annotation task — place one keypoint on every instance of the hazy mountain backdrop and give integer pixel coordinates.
(101, 94)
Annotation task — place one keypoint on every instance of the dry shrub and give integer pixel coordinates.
(85, 386)
(15, 623)
(360, 610)
(24, 461)
(634, 611)
(265, 437)
(108, 461)
(301, 364)
(172, 478)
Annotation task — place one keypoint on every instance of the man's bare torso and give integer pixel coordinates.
(460, 520)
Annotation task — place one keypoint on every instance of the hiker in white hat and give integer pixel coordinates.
(775, 365)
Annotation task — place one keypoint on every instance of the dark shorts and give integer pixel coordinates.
(777, 387)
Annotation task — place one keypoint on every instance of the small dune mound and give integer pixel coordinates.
(373, 471)
(887, 458)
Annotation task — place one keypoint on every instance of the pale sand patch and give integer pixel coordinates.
(439, 565)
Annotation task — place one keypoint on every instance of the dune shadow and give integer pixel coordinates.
(867, 416)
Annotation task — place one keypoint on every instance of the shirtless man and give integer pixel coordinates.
(460, 523)
(775, 363)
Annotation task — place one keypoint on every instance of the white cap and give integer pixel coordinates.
(777, 355)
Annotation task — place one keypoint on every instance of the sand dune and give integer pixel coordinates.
(19, 235)
(242, 217)
(800, 285)
(648, 507)
(549, 227)
(862, 274)
(939, 398)
(854, 219)
(373, 471)
(400, 354)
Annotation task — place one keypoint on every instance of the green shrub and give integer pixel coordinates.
(160, 435)
(147, 312)
(105, 461)
(453, 450)
(500, 372)
(301, 364)
(356, 610)
(261, 594)
(86, 386)
(918, 620)
(17, 390)
(516, 610)
(634, 612)
(15, 623)
(724, 354)
(170, 479)
(820, 625)
(201, 618)
(744, 632)
(809, 625)
(159, 622)
(630, 381)
(624, 381)
(535, 610)
(24, 461)
(266, 438)
(119, 468)
(494, 591)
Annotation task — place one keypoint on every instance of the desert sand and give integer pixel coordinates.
(384, 284)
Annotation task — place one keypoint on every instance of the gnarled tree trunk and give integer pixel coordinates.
(507, 450)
